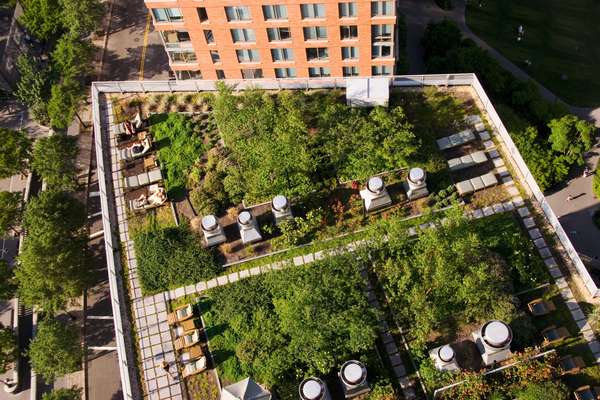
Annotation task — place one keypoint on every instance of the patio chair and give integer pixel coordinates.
(571, 365)
(539, 307)
(184, 326)
(155, 197)
(191, 353)
(553, 335)
(587, 393)
(188, 339)
(137, 149)
(180, 314)
(194, 367)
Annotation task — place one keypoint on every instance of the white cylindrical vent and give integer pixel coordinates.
(353, 373)
(446, 353)
(496, 334)
(416, 176)
(375, 185)
(312, 389)
(244, 218)
(280, 203)
(209, 223)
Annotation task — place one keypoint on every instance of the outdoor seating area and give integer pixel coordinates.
(587, 393)
(539, 307)
(188, 339)
(155, 196)
(458, 139)
(571, 364)
(143, 179)
(553, 335)
(137, 149)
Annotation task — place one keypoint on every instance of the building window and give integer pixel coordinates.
(282, 55)
(175, 36)
(315, 33)
(208, 35)
(347, 10)
(238, 13)
(247, 55)
(285, 72)
(381, 33)
(382, 8)
(202, 14)
(318, 72)
(317, 54)
(350, 71)
(252, 73)
(215, 57)
(220, 74)
(278, 34)
(348, 32)
(349, 53)
(275, 11)
(381, 50)
(167, 14)
(312, 11)
(182, 56)
(378, 70)
(182, 75)
(243, 35)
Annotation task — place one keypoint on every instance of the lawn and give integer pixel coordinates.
(561, 41)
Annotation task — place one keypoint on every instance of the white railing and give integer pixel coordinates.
(128, 376)
(126, 359)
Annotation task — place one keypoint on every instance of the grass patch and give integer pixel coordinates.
(561, 41)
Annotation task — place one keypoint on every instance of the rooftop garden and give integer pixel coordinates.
(238, 150)
(286, 325)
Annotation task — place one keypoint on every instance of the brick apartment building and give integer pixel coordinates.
(245, 39)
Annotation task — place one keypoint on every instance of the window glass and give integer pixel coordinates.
(381, 33)
(382, 8)
(285, 72)
(188, 75)
(239, 13)
(202, 14)
(278, 34)
(167, 14)
(350, 71)
(347, 10)
(317, 53)
(275, 11)
(252, 73)
(378, 70)
(317, 72)
(282, 55)
(349, 53)
(243, 35)
(315, 32)
(220, 74)
(248, 55)
(312, 11)
(208, 35)
(215, 57)
(186, 56)
(348, 32)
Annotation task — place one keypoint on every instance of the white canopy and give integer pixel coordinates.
(367, 92)
(245, 390)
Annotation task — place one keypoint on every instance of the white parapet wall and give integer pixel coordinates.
(125, 349)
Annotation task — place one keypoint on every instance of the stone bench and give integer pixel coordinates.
(480, 182)
(455, 140)
(470, 160)
(143, 179)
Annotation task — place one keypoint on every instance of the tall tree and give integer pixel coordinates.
(42, 18)
(72, 55)
(53, 263)
(55, 351)
(15, 150)
(33, 87)
(81, 17)
(64, 102)
(571, 137)
(7, 286)
(54, 160)
(10, 212)
(8, 348)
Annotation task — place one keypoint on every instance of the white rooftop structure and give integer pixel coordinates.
(213, 233)
(367, 92)
(493, 341)
(313, 389)
(245, 390)
(444, 358)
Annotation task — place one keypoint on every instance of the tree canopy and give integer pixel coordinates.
(286, 324)
(54, 160)
(8, 348)
(15, 149)
(64, 102)
(10, 212)
(53, 262)
(42, 18)
(63, 394)
(55, 351)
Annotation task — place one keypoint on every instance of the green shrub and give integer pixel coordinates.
(172, 257)
(299, 230)
(596, 183)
